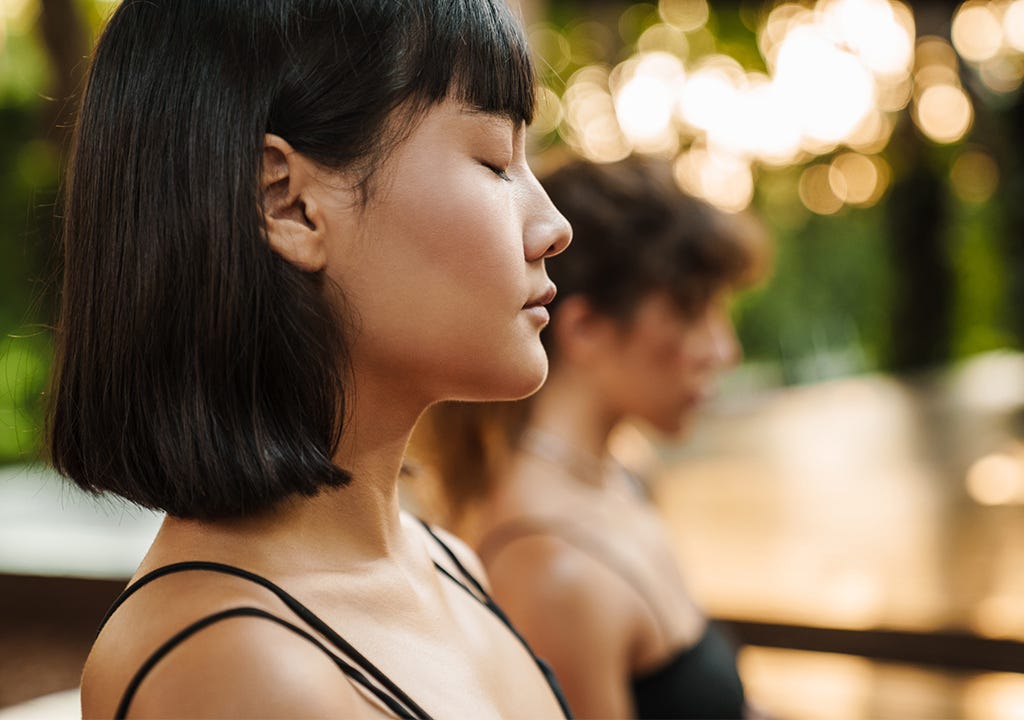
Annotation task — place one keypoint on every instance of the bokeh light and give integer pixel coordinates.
(644, 88)
(720, 179)
(944, 113)
(550, 46)
(995, 695)
(872, 30)
(974, 176)
(996, 479)
(1013, 25)
(828, 89)
(687, 15)
(977, 33)
(1003, 73)
(664, 38)
(589, 125)
(816, 191)
(873, 134)
(858, 180)
(547, 111)
(837, 72)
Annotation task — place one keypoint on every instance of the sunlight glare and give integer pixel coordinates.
(871, 30)
(829, 88)
(645, 89)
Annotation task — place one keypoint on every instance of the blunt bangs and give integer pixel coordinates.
(475, 52)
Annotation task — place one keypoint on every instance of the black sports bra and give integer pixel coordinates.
(700, 681)
(359, 670)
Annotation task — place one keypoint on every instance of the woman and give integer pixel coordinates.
(576, 555)
(290, 226)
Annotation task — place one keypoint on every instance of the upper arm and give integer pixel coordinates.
(574, 615)
(247, 667)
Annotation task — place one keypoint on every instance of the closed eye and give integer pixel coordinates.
(498, 171)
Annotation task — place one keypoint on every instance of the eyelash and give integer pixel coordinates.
(499, 172)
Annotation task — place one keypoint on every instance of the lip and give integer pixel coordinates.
(542, 298)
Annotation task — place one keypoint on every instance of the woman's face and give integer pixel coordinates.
(443, 269)
(663, 366)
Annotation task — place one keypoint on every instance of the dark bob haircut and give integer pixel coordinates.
(635, 232)
(196, 371)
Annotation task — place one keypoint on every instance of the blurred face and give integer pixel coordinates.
(443, 270)
(664, 365)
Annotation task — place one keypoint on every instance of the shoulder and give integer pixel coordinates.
(247, 667)
(576, 614)
(239, 666)
(543, 579)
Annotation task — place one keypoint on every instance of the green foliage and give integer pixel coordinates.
(980, 321)
(822, 312)
(29, 168)
(24, 367)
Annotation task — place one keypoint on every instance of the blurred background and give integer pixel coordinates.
(852, 505)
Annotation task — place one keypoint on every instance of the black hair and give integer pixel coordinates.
(196, 371)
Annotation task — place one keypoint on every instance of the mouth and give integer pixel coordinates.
(542, 298)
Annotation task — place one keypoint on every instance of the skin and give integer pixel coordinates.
(593, 624)
(436, 269)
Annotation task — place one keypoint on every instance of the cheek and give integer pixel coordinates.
(660, 376)
(440, 287)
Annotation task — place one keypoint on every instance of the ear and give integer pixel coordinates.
(582, 334)
(294, 228)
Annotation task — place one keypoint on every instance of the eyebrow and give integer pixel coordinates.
(517, 125)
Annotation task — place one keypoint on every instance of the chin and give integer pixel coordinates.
(507, 380)
(526, 380)
(676, 426)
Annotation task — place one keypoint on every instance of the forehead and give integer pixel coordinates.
(452, 122)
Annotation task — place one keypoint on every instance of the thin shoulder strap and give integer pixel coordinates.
(485, 599)
(133, 686)
(523, 527)
(304, 613)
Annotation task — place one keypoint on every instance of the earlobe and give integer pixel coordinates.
(290, 215)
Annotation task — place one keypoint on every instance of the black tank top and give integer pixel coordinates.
(699, 681)
(357, 667)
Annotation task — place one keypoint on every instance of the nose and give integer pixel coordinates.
(721, 347)
(726, 349)
(547, 232)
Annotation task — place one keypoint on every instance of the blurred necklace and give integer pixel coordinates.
(582, 465)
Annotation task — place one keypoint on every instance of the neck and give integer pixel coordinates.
(340, 527)
(569, 409)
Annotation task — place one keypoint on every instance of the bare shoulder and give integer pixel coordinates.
(236, 666)
(240, 666)
(582, 618)
(546, 572)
